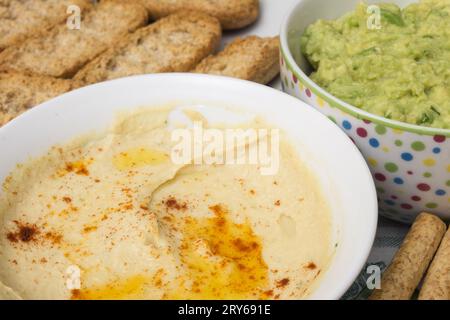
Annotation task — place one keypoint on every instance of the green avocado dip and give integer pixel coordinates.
(397, 66)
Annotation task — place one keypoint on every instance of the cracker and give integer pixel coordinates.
(20, 19)
(61, 52)
(20, 92)
(173, 44)
(233, 14)
(252, 58)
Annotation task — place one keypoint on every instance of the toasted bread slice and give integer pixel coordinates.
(19, 19)
(232, 14)
(61, 51)
(252, 58)
(173, 44)
(20, 92)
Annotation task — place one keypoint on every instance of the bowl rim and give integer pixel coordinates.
(336, 102)
(358, 261)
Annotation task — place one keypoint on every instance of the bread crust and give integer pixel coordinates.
(21, 19)
(232, 14)
(175, 43)
(19, 92)
(411, 261)
(61, 52)
(251, 58)
(436, 285)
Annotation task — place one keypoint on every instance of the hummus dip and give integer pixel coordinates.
(397, 67)
(110, 216)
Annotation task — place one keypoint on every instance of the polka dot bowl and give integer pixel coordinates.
(410, 164)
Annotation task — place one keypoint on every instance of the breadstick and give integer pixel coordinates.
(412, 259)
(436, 285)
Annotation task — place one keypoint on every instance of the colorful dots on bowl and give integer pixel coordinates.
(429, 162)
(308, 93)
(347, 125)
(391, 167)
(423, 187)
(410, 168)
(361, 132)
(320, 102)
(418, 146)
(407, 156)
(372, 162)
(431, 205)
(427, 175)
(380, 129)
(406, 206)
(374, 142)
(439, 138)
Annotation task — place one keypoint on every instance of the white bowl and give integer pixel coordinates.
(343, 173)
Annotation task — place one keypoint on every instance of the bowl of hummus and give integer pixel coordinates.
(180, 186)
(380, 72)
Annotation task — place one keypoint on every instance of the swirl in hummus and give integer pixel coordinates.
(137, 226)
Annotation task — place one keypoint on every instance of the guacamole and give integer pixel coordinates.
(400, 70)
